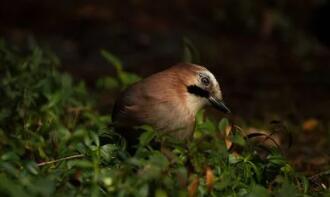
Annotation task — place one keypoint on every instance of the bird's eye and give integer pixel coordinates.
(205, 81)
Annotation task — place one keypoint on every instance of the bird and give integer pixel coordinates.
(168, 101)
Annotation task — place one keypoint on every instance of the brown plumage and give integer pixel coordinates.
(168, 101)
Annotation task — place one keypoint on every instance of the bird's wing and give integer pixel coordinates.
(123, 111)
(136, 103)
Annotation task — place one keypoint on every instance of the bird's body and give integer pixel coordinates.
(168, 101)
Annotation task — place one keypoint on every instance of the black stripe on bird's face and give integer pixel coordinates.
(193, 89)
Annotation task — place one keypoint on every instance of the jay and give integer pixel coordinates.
(168, 101)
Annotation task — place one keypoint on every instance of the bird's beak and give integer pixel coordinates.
(218, 104)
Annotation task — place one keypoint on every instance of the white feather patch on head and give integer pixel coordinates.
(214, 81)
(195, 103)
(208, 73)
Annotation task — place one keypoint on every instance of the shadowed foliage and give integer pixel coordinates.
(50, 132)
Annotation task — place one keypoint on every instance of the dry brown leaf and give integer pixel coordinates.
(192, 189)
(319, 161)
(310, 124)
(228, 141)
(268, 141)
(209, 176)
(228, 130)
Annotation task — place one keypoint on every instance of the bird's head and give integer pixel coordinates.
(202, 88)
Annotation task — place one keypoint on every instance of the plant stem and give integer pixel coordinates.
(61, 159)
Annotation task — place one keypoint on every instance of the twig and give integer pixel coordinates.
(61, 159)
(324, 173)
(316, 179)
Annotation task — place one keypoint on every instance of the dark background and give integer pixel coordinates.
(271, 57)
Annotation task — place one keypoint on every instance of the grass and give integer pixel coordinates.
(52, 144)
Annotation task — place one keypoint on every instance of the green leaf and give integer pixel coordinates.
(224, 182)
(238, 139)
(190, 52)
(96, 139)
(256, 170)
(9, 168)
(10, 156)
(305, 184)
(128, 78)
(84, 164)
(108, 152)
(143, 190)
(42, 186)
(207, 127)
(11, 188)
(32, 168)
(107, 83)
(112, 59)
(146, 137)
(234, 158)
(287, 169)
(287, 189)
(223, 124)
(159, 160)
(276, 159)
(160, 193)
(258, 191)
(200, 117)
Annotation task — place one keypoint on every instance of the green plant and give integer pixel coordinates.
(45, 116)
(50, 144)
(123, 78)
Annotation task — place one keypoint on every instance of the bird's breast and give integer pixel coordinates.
(173, 119)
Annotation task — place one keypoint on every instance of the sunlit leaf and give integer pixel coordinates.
(32, 168)
(107, 151)
(234, 158)
(128, 78)
(146, 137)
